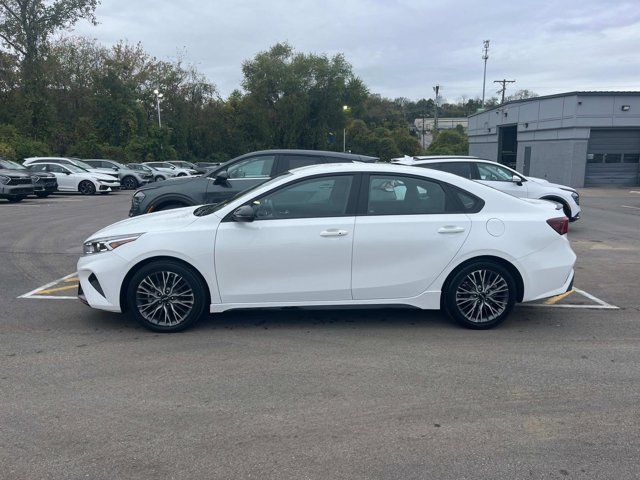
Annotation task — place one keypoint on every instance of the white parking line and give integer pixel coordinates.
(34, 293)
(629, 206)
(600, 304)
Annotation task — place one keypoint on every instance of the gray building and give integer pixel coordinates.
(577, 139)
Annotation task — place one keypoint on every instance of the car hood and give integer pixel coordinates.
(15, 173)
(103, 176)
(171, 182)
(547, 183)
(176, 219)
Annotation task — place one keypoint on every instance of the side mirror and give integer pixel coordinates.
(516, 179)
(244, 214)
(116, 168)
(222, 178)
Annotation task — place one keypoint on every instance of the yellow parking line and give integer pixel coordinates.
(58, 289)
(72, 279)
(557, 298)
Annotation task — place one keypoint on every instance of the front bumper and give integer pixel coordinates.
(16, 190)
(45, 187)
(101, 276)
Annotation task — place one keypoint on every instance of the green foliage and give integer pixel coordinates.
(450, 142)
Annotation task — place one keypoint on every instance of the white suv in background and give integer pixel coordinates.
(501, 178)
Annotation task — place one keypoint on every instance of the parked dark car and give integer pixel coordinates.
(230, 178)
(15, 185)
(207, 165)
(44, 183)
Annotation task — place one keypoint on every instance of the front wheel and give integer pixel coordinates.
(87, 188)
(166, 296)
(480, 295)
(15, 199)
(159, 178)
(129, 183)
(42, 194)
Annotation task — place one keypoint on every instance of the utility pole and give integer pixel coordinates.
(435, 117)
(424, 126)
(485, 57)
(503, 82)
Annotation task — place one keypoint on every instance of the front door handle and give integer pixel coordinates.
(333, 232)
(451, 229)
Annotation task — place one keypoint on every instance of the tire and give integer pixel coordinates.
(42, 194)
(156, 310)
(87, 188)
(169, 206)
(181, 175)
(159, 178)
(471, 310)
(129, 183)
(15, 199)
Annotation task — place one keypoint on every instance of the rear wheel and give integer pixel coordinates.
(129, 183)
(87, 188)
(42, 194)
(166, 296)
(481, 295)
(15, 199)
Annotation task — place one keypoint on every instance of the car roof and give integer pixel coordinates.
(376, 168)
(313, 153)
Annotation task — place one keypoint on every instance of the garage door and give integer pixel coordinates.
(613, 157)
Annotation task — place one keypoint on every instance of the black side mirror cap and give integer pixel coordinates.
(244, 214)
(222, 178)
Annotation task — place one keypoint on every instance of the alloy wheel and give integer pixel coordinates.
(87, 188)
(482, 296)
(164, 298)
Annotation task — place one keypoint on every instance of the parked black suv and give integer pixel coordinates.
(44, 183)
(230, 178)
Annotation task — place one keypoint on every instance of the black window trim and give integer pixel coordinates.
(451, 198)
(351, 202)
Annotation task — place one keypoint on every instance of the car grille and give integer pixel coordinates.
(20, 181)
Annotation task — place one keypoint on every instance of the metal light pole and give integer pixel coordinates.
(159, 96)
(435, 117)
(345, 109)
(485, 57)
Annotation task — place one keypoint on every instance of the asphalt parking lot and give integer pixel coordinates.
(552, 393)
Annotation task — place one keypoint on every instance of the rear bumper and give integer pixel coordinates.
(549, 271)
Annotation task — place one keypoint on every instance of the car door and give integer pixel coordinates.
(298, 249)
(500, 178)
(66, 180)
(242, 175)
(406, 233)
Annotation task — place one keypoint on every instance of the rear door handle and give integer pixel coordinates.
(451, 229)
(333, 232)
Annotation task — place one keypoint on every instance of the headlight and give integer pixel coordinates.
(107, 244)
(4, 179)
(35, 178)
(576, 197)
(138, 196)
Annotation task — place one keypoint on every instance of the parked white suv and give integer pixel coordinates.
(502, 178)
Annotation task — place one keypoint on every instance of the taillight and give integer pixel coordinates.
(559, 224)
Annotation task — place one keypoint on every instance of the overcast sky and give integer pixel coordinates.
(398, 47)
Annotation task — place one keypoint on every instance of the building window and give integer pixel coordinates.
(613, 158)
(631, 158)
(595, 158)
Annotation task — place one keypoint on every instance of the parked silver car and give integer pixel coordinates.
(130, 178)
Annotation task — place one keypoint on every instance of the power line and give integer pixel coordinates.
(504, 86)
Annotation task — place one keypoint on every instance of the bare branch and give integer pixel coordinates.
(12, 44)
(8, 9)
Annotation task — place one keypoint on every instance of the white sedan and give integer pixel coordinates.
(334, 235)
(72, 178)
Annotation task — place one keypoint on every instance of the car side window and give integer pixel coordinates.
(313, 198)
(494, 173)
(401, 195)
(38, 167)
(462, 169)
(297, 161)
(254, 167)
(56, 169)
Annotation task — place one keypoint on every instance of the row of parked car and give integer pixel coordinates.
(231, 178)
(42, 176)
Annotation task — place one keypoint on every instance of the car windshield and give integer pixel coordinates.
(75, 169)
(81, 164)
(8, 164)
(210, 208)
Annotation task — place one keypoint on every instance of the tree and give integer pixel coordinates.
(25, 28)
(450, 142)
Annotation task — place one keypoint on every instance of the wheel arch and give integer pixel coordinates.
(171, 198)
(511, 268)
(125, 282)
(556, 198)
